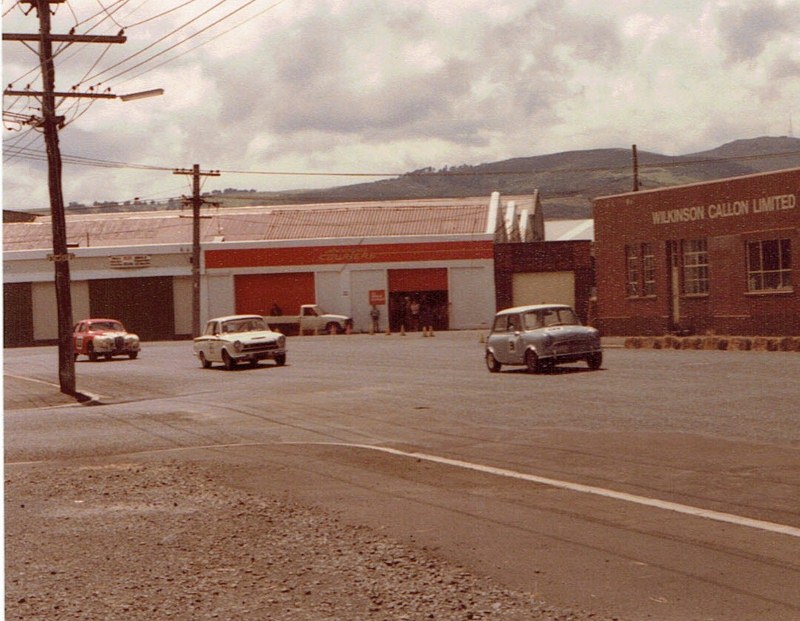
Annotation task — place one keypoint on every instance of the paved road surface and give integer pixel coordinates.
(664, 486)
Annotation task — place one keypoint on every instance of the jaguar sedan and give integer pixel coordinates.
(104, 337)
(541, 336)
(239, 338)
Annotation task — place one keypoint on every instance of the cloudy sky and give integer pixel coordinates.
(259, 87)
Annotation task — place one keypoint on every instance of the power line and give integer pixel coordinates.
(678, 163)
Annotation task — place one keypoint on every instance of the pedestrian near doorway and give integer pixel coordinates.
(413, 308)
(426, 317)
(375, 315)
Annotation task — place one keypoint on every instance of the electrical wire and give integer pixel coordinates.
(156, 42)
(191, 49)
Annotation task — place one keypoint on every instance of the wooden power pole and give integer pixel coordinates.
(50, 124)
(196, 202)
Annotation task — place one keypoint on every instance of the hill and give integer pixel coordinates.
(567, 181)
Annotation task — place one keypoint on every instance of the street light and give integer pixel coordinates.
(154, 92)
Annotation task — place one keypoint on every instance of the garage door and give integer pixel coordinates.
(17, 314)
(256, 293)
(145, 305)
(544, 288)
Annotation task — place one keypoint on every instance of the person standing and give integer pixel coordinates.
(375, 315)
(426, 317)
(413, 308)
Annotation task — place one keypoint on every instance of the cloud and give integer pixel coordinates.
(370, 85)
(748, 27)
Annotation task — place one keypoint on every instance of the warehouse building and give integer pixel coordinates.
(345, 257)
(705, 258)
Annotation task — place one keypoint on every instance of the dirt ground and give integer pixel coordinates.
(172, 541)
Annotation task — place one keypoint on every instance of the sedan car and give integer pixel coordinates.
(541, 336)
(239, 338)
(104, 337)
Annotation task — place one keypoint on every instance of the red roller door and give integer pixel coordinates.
(256, 293)
(434, 279)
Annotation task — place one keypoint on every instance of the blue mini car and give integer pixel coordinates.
(541, 336)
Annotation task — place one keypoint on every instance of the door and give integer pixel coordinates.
(674, 279)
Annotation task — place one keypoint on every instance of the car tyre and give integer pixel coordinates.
(333, 328)
(280, 360)
(133, 355)
(532, 361)
(229, 362)
(595, 360)
(203, 362)
(108, 356)
(91, 352)
(491, 363)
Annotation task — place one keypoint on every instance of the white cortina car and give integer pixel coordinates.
(239, 338)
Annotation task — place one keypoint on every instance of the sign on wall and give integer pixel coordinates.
(377, 297)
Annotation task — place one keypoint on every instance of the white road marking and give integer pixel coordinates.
(708, 514)
(589, 489)
(31, 379)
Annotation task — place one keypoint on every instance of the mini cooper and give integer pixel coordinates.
(239, 338)
(103, 337)
(539, 337)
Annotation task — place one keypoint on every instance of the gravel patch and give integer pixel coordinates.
(170, 541)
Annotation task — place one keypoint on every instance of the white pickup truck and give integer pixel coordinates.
(311, 319)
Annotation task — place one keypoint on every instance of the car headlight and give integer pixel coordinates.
(237, 346)
(281, 341)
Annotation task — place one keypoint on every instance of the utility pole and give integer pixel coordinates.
(50, 124)
(635, 169)
(196, 201)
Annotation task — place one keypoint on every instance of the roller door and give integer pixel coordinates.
(256, 293)
(423, 290)
(544, 288)
(145, 305)
(17, 314)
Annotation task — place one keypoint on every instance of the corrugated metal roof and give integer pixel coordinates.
(464, 216)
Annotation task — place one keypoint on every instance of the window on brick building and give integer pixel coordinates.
(631, 271)
(769, 265)
(695, 266)
(640, 266)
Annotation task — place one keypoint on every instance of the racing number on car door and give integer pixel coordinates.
(513, 331)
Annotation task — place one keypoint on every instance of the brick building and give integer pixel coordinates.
(710, 257)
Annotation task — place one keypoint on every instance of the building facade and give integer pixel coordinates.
(703, 258)
(346, 257)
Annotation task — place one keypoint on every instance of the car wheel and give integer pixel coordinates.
(532, 361)
(333, 328)
(595, 360)
(280, 360)
(203, 362)
(253, 363)
(108, 356)
(229, 362)
(91, 352)
(491, 363)
(133, 355)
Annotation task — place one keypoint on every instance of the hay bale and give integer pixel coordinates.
(740, 343)
(633, 342)
(710, 342)
(760, 343)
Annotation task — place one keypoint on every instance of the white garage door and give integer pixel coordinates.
(544, 288)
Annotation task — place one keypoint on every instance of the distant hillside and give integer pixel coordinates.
(567, 181)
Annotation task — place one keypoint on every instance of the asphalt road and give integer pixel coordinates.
(664, 486)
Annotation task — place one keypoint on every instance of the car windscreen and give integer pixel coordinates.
(543, 318)
(249, 324)
(106, 325)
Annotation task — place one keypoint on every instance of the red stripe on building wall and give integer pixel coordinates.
(326, 255)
